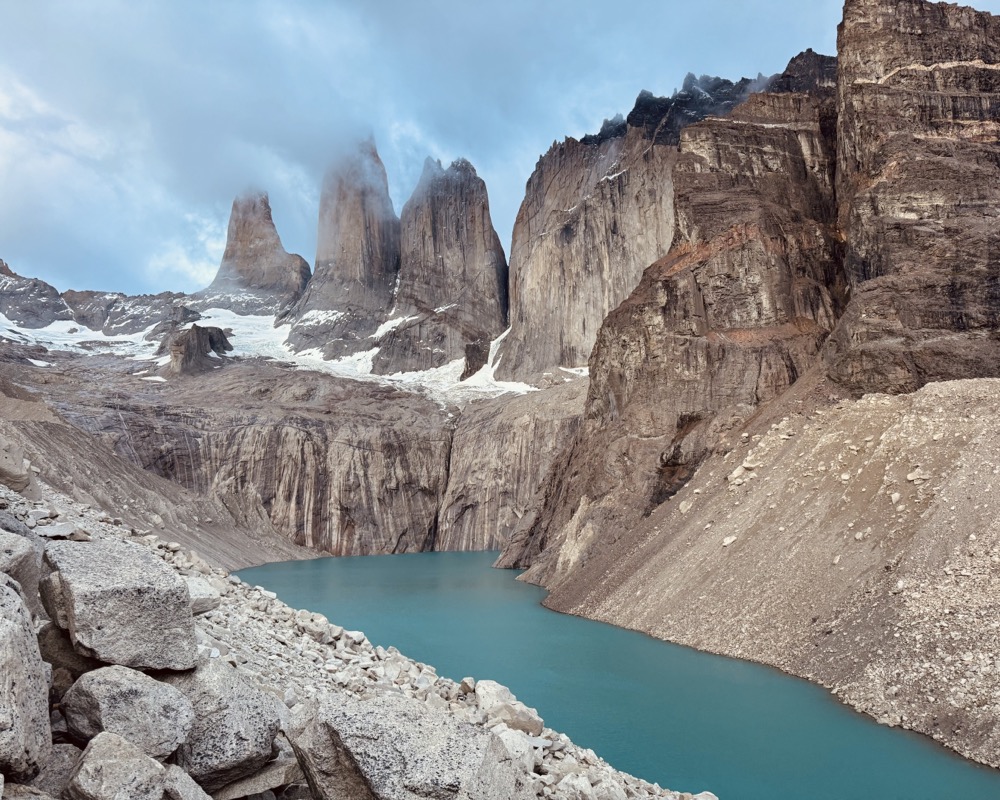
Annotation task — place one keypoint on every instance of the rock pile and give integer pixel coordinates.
(159, 676)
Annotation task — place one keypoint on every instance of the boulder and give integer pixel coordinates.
(392, 747)
(19, 791)
(13, 475)
(234, 727)
(204, 596)
(153, 716)
(57, 770)
(57, 649)
(122, 605)
(499, 704)
(21, 558)
(25, 735)
(113, 769)
(178, 785)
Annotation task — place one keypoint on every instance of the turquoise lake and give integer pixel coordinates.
(686, 720)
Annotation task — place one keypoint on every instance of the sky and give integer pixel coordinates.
(127, 128)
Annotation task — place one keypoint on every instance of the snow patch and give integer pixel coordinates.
(39, 363)
(154, 379)
(316, 318)
(389, 325)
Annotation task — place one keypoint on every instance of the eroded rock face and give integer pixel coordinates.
(453, 273)
(501, 454)
(195, 350)
(121, 605)
(919, 194)
(257, 275)
(357, 259)
(730, 318)
(596, 213)
(25, 735)
(30, 302)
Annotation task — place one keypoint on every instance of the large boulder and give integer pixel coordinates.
(392, 747)
(21, 558)
(112, 768)
(25, 734)
(500, 705)
(13, 475)
(122, 605)
(154, 716)
(57, 769)
(234, 727)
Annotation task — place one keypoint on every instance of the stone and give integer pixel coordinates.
(57, 770)
(499, 703)
(57, 649)
(17, 791)
(112, 768)
(13, 473)
(576, 786)
(204, 596)
(194, 350)
(234, 728)
(153, 716)
(123, 605)
(21, 558)
(280, 772)
(392, 747)
(25, 733)
(178, 785)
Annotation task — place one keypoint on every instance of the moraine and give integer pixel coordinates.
(685, 719)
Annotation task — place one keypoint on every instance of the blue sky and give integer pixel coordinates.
(127, 128)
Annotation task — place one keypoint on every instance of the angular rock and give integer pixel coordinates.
(123, 605)
(57, 649)
(280, 772)
(204, 596)
(21, 558)
(257, 275)
(357, 259)
(234, 728)
(195, 350)
(499, 703)
(112, 768)
(58, 769)
(25, 734)
(391, 747)
(13, 475)
(18, 791)
(153, 716)
(178, 785)
(452, 276)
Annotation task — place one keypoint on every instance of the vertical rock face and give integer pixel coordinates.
(596, 213)
(453, 273)
(257, 275)
(501, 453)
(737, 310)
(919, 193)
(357, 259)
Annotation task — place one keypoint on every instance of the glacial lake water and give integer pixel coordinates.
(686, 720)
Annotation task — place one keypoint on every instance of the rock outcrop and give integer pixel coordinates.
(195, 350)
(30, 302)
(115, 314)
(729, 319)
(596, 213)
(257, 275)
(919, 193)
(452, 277)
(357, 260)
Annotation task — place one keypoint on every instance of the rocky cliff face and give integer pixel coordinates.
(195, 350)
(918, 189)
(596, 213)
(30, 302)
(453, 274)
(257, 275)
(729, 319)
(502, 451)
(357, 259)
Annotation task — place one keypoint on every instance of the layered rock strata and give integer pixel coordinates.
(357, 259)
(284, 706)
(452, 278)
(919, 194)
(596, 213)
(257, 275)
(729, 319)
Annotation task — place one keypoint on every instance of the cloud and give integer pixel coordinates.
(126, 128)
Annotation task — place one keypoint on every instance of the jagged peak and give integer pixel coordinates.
(6, 271)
